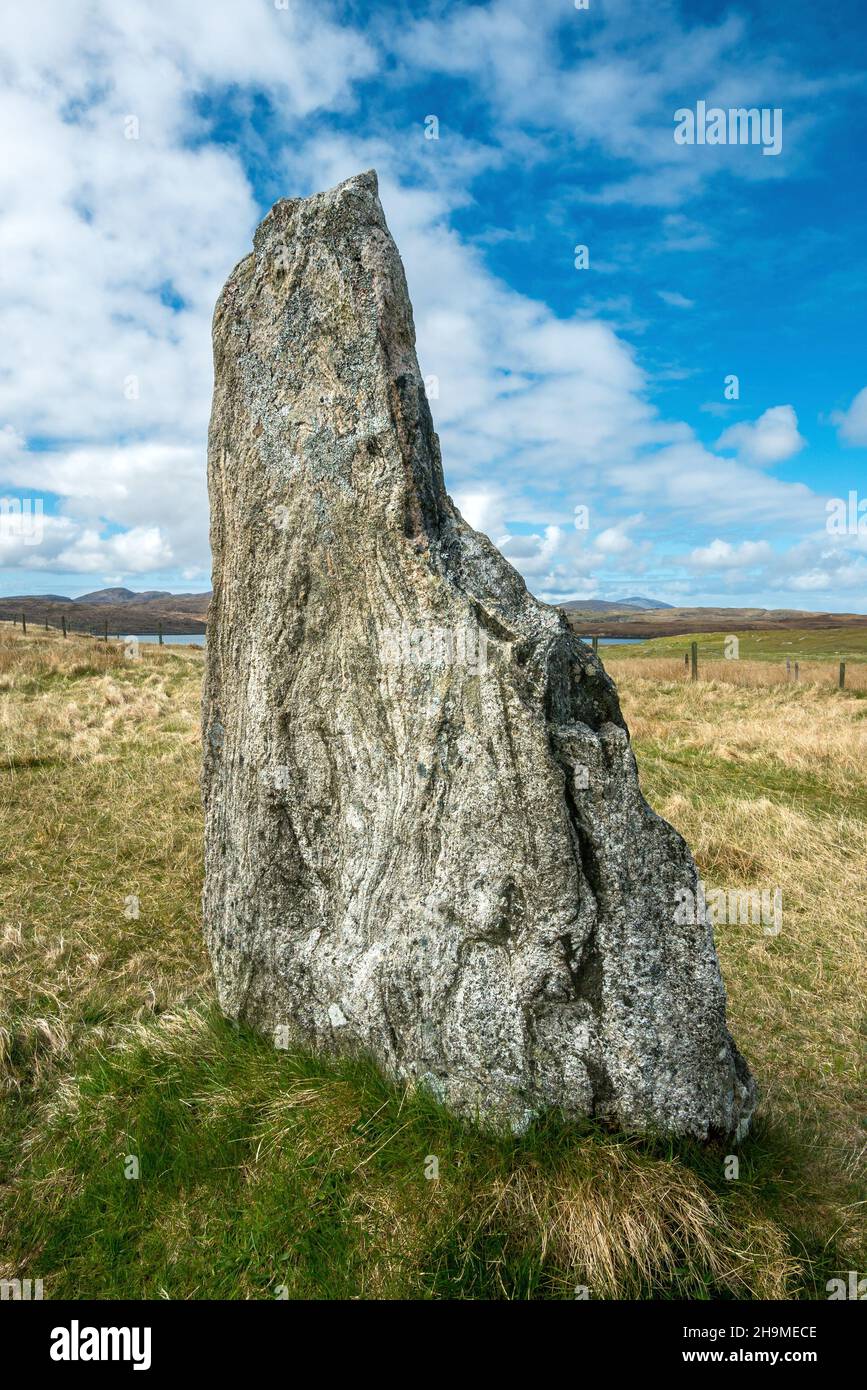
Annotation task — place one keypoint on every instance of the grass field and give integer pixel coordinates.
(816, 647)
(757, 658)
(264, 1173)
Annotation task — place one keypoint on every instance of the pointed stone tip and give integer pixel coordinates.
(366, 183)
(367, 180)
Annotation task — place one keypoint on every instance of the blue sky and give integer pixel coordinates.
(145, 142)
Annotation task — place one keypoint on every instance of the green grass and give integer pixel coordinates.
(265, 1173)
(261, 1171)
(701, 771)
(798, 644)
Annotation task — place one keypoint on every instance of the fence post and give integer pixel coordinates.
(595, 644)
(63, 623)
(842, 681)
(693, 651)
(160, 631)
(24, 623)
(788, 668)
(105, 630)
(686, 660)
(797, 672)
(46, 624)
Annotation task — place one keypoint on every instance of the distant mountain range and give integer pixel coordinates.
(123, 596)
(665, 621)
(103, 596)
(127, 612)
(636, 604)
(124, 610)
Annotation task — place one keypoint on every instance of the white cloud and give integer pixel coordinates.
(700, 489)
(683, 234)
(770, 439)
(633, 70)
(67, 547)
(485, 510)
(846, 575)
(615, 540)
(534, 554)
(676, 299)
(103, 238)
(154, 494)
(852, 423)
(113, 250)
(834, 569)
(722, 555)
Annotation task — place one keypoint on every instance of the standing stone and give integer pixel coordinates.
(425, 838)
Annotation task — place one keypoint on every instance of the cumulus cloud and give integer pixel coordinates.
(485, 510)
(534, 554)
(852, 423)
(109, 194)
(699, 488)
(770, 439)
(616, 540)
(125, 208)
(722, 555)
(121, 219)
(827, 568)
(140, 507)
(66, 547)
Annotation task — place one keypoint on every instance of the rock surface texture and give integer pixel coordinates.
(425, 838)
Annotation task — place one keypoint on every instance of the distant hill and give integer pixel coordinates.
(671, 622)
(125, 611)
(122, 596)
(637, 604)
(128, 612)
(639, 601)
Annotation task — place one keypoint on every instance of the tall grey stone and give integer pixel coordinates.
(425, 838)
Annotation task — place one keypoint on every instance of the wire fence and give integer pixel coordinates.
(838, 675)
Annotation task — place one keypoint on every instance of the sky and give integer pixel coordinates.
(678, 410)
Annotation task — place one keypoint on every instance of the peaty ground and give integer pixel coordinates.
(148, 1149)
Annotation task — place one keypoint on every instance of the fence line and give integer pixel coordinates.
(846, 676)
(661, 667)
(88, 629)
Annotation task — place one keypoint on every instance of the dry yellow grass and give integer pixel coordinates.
(769, 787)
(810, 730)
(823, 674)
(623, 1222)
(100, 756)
